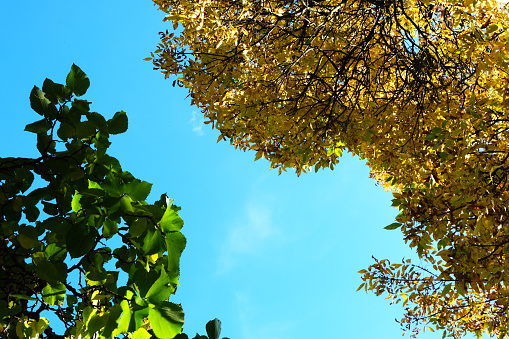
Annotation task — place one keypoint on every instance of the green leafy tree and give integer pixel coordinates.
(60, 215)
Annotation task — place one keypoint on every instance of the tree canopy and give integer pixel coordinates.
(418, 88)
(78, 238)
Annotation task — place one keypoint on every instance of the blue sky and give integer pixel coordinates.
(273, 257)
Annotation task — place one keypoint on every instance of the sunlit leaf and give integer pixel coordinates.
(160, 289)
(154, 242)
(141, 333)
(54, 294)
(166, 320)
(171, 221)
(175, 244)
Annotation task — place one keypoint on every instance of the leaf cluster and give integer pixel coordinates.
(419, 88)
(61, 212)
(213, 329)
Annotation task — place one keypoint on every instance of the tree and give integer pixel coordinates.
(418, 88)
(72, 221)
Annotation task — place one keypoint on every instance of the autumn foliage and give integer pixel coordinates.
(418, 88)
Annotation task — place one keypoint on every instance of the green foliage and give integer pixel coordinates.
(59, 215)
(393, 226)
(213, 329)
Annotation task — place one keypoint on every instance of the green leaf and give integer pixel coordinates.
(110, 228)
(138, 190)
(40, 194)
(95, 277)
(17, 204)
(444, 156)
(392, 226)
(75, 202)
(160, 290)
(24, 178)
(144, 280)
(85, 129)
(140, 315)
(492, 28)
(125, 204)
(40, 126)
(88, 313)
(153, 242)
(102, 143)
(396, 202)
(125, 319)
(47, 271)
(118, 124)
(126, 257)
(45, 144)
(22, 296)
(175, 244)
(459, 287)
(49, 208)
(166, 320)
(77, 81)
(71, 300)
(97, 322)
(79, 108)
(420, 249)
(41, 104)
(171, 221)
(27, 241)
(433, 134)
(98, 120)
(213, 328)
(31, 212)
(446, 290)
(40, 326)
(66, 131)
(54, 294)
(137, 227)
(141, 333)
(55, 92)
(112, 323)
(55, 253)
(80, 240)
(442, 243)
(6, 310)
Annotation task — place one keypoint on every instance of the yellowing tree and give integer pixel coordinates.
(418, 88)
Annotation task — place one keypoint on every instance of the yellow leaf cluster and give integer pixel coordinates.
(418, 88)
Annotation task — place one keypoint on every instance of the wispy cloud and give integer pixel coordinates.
(253, 322)
(248, 234)
(197, 122)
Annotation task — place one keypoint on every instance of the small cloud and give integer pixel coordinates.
(197, 122)
(253, 321)
(247, 236)
(244, 238)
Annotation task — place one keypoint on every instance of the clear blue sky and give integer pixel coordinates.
(273, 257)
